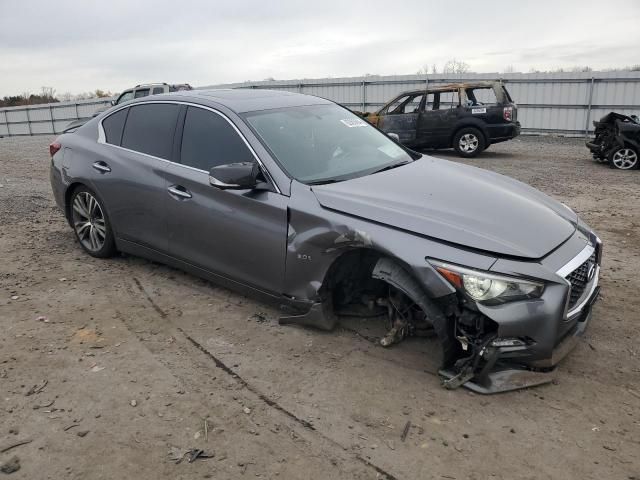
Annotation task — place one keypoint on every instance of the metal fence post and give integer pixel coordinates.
(28, 120)
(6, 121)
(586, 123)
(363, 96)
(77, 114)
(53, 125)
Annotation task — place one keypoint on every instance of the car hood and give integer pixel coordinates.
(456, 203)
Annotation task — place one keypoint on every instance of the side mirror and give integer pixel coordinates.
(113, 103)
(235, 176)
(394, 136)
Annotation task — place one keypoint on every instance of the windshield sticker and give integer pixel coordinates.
(478, 110)
(354, 122)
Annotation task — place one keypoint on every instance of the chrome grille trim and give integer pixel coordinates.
(578, 260)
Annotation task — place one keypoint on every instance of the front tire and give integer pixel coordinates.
(91, 224)
(469, 142)
(624, 158)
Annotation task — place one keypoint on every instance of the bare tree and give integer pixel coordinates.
(102, 93)
(509, 69)
(425, 69)
(48, 92)
(456, 66)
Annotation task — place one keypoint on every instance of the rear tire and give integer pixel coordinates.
(624, 158)
(91, 224)
(468, 142)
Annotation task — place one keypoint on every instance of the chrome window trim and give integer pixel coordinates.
(576, 261)
(102, 137)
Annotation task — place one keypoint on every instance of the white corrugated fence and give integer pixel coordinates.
(556, 103)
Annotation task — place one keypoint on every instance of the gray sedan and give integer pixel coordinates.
(297, 200)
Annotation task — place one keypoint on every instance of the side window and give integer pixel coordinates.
(157, 90)
(447, 101)
(395, 107)
(113, 126)
(141, 93)
(149, 129)
(125, 96)
(429, 103)
(208, 140)
(413, 105)
(481, 96)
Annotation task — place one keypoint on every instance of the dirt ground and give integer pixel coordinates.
(110, 366)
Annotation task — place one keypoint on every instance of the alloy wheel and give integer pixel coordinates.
(89, 222)
(625, 159)
(468, 143)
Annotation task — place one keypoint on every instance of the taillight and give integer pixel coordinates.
(54, 147)
(507, 113)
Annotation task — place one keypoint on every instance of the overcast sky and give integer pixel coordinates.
(78, 46)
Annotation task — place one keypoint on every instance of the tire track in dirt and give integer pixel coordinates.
(273, 404)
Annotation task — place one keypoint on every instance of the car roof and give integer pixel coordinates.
(243, 100)
(452, 86)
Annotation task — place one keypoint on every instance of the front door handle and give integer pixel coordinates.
(102, 167)
(179, 191)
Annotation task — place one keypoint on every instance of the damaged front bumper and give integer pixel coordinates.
(533, 336)
(501, 374)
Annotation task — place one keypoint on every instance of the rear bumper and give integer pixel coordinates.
(503, 132)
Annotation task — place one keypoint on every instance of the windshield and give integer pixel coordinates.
(324, 143)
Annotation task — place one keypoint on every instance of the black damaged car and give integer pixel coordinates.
(617, 141)
(467, 117)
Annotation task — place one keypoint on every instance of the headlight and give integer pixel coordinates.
(487, 287)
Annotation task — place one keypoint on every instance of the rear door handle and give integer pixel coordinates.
(179, 191)
(102, 167)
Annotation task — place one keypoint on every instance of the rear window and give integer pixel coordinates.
(141, 93)
(158, 90)
(113, 126)
(481, 96)
(149, 129)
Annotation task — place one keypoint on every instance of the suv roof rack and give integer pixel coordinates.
(150, 84)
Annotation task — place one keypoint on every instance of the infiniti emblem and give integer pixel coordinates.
(591, 271)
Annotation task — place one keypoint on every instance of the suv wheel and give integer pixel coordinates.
(91, 224)
(625, 158)
(468, 142)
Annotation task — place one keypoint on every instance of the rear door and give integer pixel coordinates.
(401, 117)
(487, 104)
(130, 176)
(239, 234)
(436, 125)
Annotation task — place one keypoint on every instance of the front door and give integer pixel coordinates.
(401, 117)
(239, 234)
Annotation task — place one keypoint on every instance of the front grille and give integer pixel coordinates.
(579, 281)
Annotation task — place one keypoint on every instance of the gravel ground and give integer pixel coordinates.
(108, 366)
